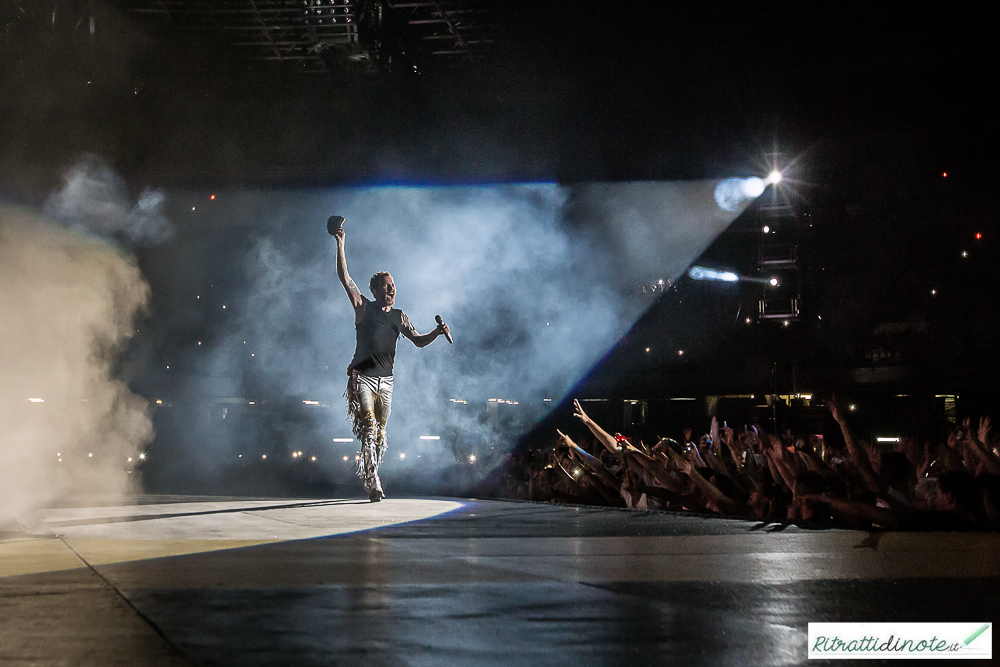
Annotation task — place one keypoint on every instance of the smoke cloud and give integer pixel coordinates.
(67, 426)
(95, 199)
(536, 281)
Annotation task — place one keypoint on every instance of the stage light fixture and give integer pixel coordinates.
(773, 282)
(774, 177)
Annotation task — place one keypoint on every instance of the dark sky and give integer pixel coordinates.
(573, 91)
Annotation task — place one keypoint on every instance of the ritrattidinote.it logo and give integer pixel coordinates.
(901, 640)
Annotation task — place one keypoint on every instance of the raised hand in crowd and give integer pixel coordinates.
(602, 436)
(916, 484)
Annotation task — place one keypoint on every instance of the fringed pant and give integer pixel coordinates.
(369, 401)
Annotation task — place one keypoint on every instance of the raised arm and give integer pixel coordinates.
(858, 454)
(353, 293)
(979, 448)
(590, 461)
(722, 503)
(602, 436)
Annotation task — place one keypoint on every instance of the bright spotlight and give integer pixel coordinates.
(701, 273)
(773, 282)
(731, 193)
(774, 177)
(753, 187)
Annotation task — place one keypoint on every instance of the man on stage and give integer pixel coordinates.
(369, 389)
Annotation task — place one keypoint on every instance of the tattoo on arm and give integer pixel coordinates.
(407, 328)
(353, 288)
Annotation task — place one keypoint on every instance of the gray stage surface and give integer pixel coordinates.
(440, 581)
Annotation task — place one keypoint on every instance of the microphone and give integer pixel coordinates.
(335, 224)
(438, 319)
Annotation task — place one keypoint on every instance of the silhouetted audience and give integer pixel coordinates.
(751, 474)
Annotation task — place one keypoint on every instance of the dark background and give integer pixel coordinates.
(865, 108)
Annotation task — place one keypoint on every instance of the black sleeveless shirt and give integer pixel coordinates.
(377, 334)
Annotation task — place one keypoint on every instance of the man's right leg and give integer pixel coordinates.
(383, 406)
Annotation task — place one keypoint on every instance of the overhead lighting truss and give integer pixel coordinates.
(295, 32)
(374, 34)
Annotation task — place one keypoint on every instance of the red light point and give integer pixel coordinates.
(944, 174)
(212, 197)
(978, 236)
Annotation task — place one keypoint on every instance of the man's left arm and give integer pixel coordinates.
(420, 340)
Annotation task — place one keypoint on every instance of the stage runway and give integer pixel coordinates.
(443, 581)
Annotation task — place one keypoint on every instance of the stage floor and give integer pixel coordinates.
(426, 581)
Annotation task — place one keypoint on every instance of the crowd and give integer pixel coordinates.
(952, 485)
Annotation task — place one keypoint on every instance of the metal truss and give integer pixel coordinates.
(452, 29)
(375, 34)
(296, 32)
(305, 34)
